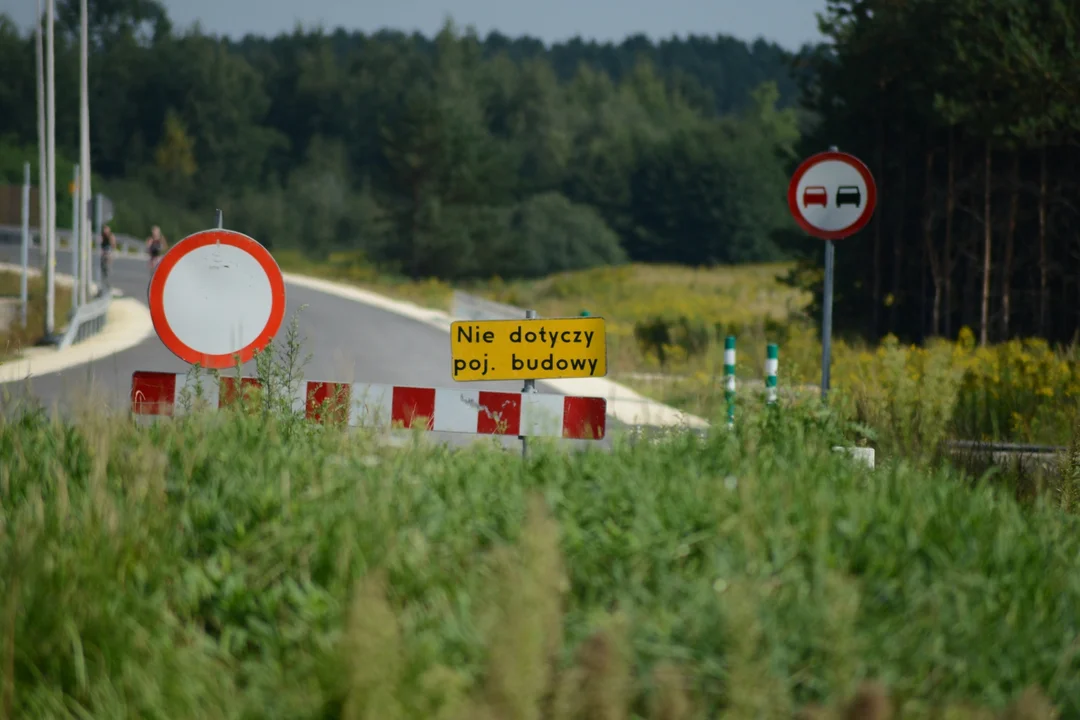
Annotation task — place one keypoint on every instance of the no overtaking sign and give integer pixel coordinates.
(832, 196)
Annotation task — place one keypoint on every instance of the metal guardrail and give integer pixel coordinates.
(1005, 447)
(649, 432)
(87, 320)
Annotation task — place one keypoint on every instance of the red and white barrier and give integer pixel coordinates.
(363, 404)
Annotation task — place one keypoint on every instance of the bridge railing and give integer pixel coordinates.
(87, 320)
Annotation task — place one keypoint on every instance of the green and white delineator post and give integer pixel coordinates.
(729, 378)
(772, 353)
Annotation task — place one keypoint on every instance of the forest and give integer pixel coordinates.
(463, 157)
(453, 156)
(967, 114)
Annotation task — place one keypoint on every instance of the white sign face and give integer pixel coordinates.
(832, 195)
(217, 299)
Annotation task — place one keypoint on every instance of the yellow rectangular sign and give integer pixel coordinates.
(534, 349)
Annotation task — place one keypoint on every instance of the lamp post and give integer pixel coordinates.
(50, 139)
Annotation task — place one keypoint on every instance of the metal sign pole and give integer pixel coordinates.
(74, 244)
(826, 312)
(530, 387)
(85, 241)
(24, 252)
(220, 220)
(100, 239)
(50, 152)
(43, 162)
(826, 318)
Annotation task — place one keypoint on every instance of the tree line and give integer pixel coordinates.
(454, 156)
(461, 157)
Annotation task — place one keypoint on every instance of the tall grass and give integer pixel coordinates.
(913, 397)
(249, 565)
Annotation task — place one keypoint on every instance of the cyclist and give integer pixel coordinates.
(108, 246)
(156, 245)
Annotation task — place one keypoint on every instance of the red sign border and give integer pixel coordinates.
(871, 195)
(156, 293)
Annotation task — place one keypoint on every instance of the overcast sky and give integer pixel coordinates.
(787, 22)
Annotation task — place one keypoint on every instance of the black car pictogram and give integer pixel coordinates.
(848, 195)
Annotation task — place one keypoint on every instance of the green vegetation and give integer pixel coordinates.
(455, 156)
(464, 158)
(252, 564)
(16, 338)
(256, 566)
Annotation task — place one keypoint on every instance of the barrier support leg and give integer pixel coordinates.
(530, 387)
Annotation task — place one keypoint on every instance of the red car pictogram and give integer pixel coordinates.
(815, 195)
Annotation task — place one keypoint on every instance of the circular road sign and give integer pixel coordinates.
(832, 195)
(216, 295)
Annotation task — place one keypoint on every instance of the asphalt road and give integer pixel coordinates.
(345, 341)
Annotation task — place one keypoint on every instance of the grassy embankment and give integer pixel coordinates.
(666, 328)
(16, 338)
(253, 565)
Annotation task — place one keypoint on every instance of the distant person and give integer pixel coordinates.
(156, 245)
(108, 247)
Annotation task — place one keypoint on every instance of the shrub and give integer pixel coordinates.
(908, 395)
(1022, 390)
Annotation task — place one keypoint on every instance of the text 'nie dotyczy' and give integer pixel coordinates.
(528, 349)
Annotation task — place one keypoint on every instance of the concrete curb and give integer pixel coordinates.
(127, 324)
(624, 404)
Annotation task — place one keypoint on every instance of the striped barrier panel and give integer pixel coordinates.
(394, 406)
